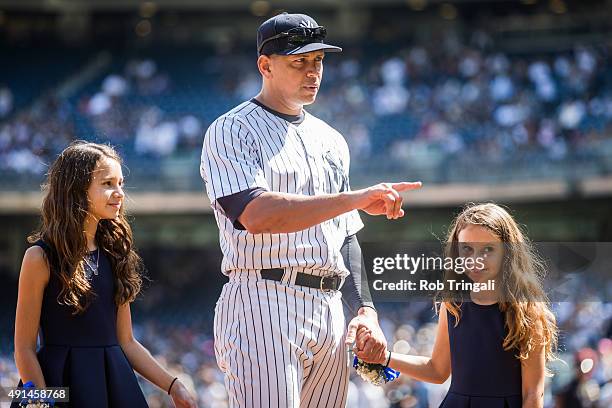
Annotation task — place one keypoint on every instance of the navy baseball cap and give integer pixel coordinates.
(288, 34)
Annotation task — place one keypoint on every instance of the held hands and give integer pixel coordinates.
(384, 198)
(370, 343)
(181, 397)
(364, 335)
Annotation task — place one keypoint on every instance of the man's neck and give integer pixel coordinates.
(278, 105)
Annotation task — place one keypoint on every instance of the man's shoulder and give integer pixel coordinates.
(239, 112)
(234, 117)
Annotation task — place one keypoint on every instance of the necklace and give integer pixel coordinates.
(91, 268)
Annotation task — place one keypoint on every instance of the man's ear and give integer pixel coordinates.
(264, 63)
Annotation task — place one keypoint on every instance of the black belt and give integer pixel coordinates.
(324, 283)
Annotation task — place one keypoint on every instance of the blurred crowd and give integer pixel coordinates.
(140, 124)
(446, 97)
(32, 136)
(456, 98)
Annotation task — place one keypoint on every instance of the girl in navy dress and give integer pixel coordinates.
(75, 287)
(495, 342)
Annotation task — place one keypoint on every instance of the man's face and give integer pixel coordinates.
(297, 78)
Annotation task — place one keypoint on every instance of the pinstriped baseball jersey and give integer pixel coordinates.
(250, 147)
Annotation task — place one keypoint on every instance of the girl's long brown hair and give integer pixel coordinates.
(529, 319)
(64, 210)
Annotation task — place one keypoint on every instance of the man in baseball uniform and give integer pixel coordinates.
(278, 181)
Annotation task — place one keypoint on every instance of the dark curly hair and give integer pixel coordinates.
(64, 210)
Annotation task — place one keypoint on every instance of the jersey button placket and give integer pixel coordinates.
(311, 158)
(316, 161)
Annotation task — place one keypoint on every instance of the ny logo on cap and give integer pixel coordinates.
(308, 24)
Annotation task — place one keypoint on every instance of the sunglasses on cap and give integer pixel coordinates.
(298, 36)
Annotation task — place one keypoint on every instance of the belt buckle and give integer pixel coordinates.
(327, 290)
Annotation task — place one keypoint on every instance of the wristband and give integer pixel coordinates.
(171, 384)
(388, 360)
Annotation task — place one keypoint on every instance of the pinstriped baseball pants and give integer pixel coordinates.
(280, 345)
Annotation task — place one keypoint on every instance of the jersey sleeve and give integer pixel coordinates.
(230, 161)
(233, 205)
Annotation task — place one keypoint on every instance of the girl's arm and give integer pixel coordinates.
(434, 369)
(143, 362)
(533, 372)
(33, 279)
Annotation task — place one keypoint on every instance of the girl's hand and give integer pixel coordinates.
(181, 397)
(363, 335)
(365, 357)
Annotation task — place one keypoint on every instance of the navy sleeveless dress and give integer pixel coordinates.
(82, 351)
(484, 375)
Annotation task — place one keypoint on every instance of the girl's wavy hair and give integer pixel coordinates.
(528, 317)
(64, 210)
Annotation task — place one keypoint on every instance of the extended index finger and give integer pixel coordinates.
(407, 185)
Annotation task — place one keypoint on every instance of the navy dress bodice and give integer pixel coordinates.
(484, 375)
(82, 351)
